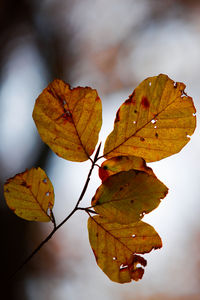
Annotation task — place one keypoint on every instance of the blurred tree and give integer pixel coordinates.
(17, 19)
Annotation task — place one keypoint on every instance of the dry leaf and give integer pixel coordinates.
(30, 195)
(115, 247)
(155, 122)
(126, 196)
(69, 120)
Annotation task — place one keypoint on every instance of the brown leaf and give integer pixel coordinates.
(30, 195)
(69, 120)
(155, 122)
(126, 196)
(115, 247)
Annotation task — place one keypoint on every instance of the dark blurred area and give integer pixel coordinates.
(22, 23)
(108, 45)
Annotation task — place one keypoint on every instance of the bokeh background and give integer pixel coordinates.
(111, 46)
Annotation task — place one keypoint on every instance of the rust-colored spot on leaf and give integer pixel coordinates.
(98, 99)
(131, 99)
(50, 92)
(103, 173)
(67, 116)
(96, 257)
(145, 102)
(118, 158)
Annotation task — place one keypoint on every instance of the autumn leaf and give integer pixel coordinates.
(69, 120)
(115, 247)
(155, 122)
(126, 196)
(122, 163)
(30, 195)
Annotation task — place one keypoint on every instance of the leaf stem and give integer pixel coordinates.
(53, 220)
(86, 209)
(56, 227)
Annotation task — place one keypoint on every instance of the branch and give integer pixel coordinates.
(87, 209)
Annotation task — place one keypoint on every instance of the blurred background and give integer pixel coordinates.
(111, 46)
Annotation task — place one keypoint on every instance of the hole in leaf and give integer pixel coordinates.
(114, 258)
(134, 122)
(64, 102)
(150, 83)
(194, 114)
(67, 113)
(48, 211)
(153, 121)
(47, 194)
(175, 84)
(184, 94)
(133, 235)
(155, 126)
(123, 267)
(44, 180)
(188, 136)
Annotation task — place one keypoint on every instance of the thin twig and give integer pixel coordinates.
(86, 209)
(98, 165)
(53, 218)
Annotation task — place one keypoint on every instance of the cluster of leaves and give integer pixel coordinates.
(155, 122)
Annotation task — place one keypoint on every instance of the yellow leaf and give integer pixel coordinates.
(69, 120)
(30, 195)
(122, 163)
(126, 196)
(155, 122)
(115, 247)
